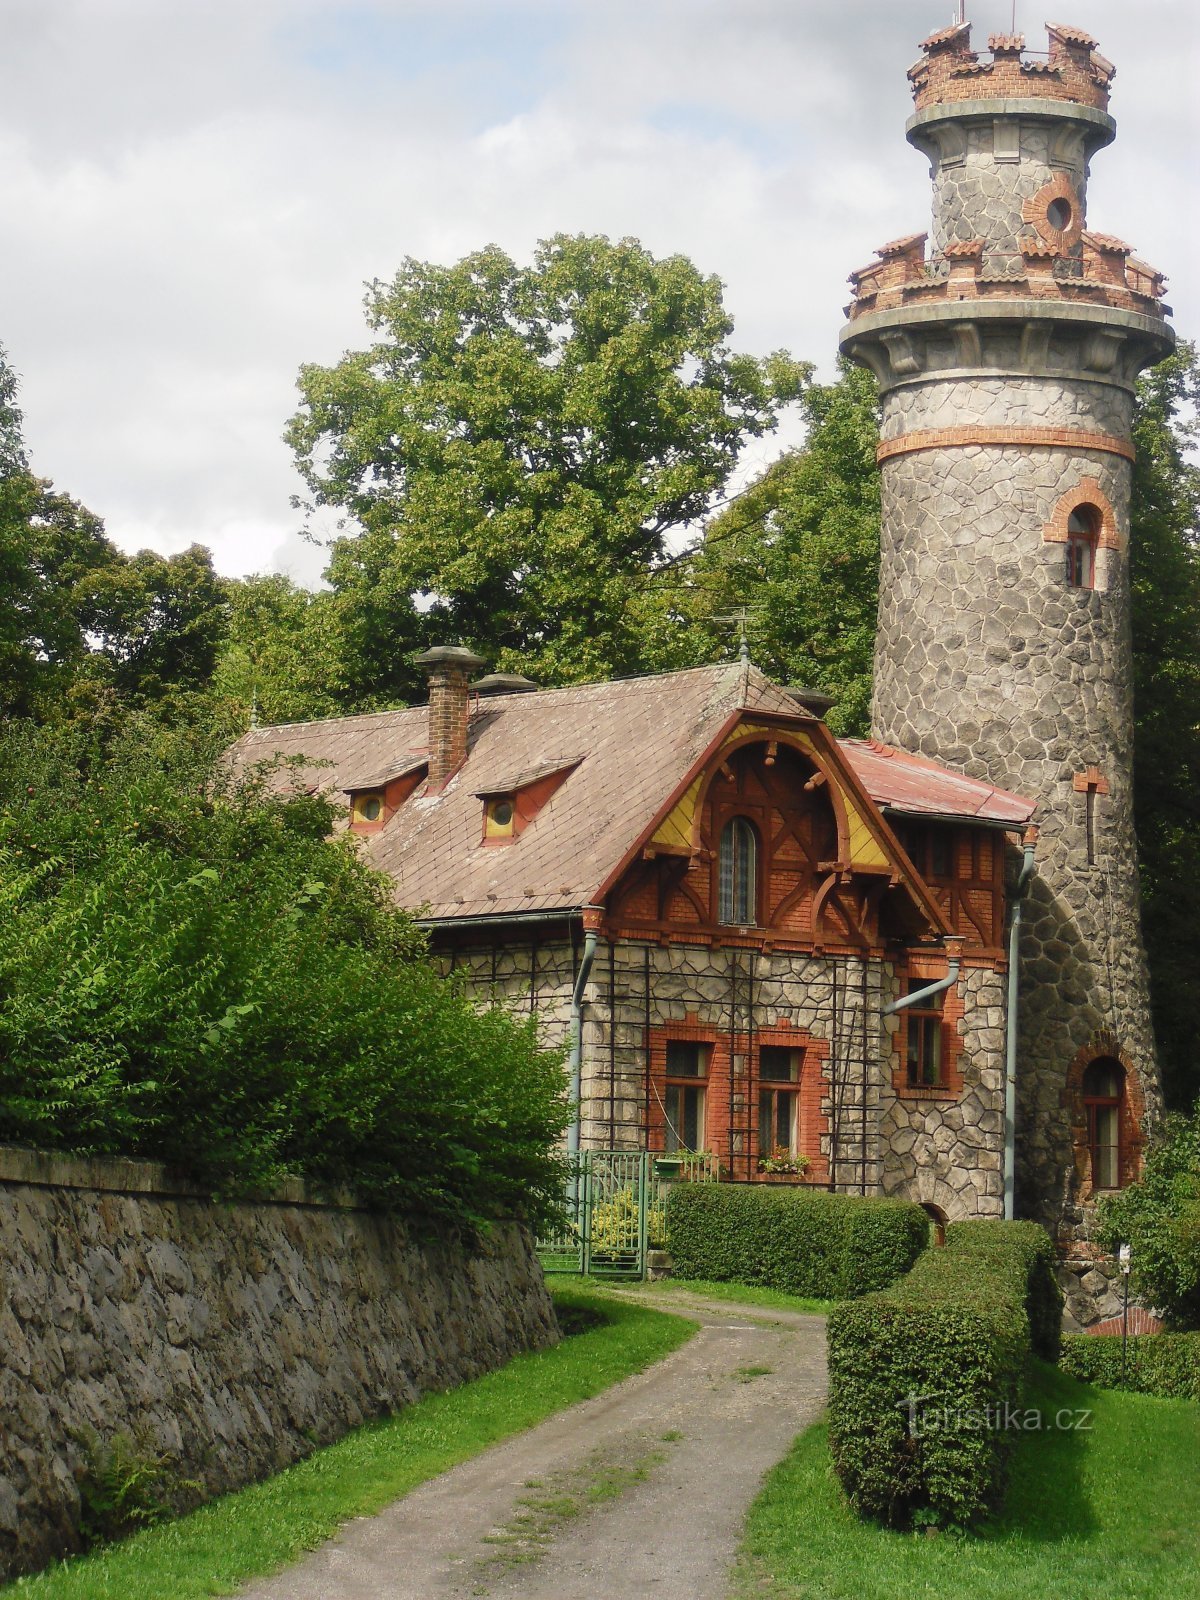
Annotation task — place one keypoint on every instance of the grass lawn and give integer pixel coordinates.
(743, 1293)
(1114, 1512)
(262, 1528)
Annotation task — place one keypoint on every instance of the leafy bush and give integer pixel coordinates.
(194, 971)
(803, 1241)
(1162, 1364)
(921, 1373)
(124, 1489)
(1159, 1218)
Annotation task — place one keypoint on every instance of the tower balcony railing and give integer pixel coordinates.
(1100, 270)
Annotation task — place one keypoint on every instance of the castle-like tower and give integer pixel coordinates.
(1006, 354)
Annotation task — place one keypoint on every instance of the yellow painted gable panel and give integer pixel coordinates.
(677, 830)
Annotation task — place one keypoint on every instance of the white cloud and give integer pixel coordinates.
(192, 193)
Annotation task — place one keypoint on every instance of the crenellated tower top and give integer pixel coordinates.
(1009, 137)
(1072, 70)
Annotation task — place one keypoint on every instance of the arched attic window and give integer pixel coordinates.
(1083, 538)
(738, 897)
(1103, 1104)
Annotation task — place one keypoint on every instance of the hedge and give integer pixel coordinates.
(955, 1334)
(803, 1241)
(1162, 1364)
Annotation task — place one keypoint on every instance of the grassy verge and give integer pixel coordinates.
(741, 1293)
(262, 1528)
(1115, 1510)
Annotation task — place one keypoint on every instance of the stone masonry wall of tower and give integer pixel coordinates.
(1006, 356)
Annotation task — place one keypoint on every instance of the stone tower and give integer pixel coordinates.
(1006, 354)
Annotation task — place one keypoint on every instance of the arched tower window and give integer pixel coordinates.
(738, 895)
(1083, 536)
(1103, 1104)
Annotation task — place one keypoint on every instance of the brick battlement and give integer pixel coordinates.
(1072, 70)
(1102, 273)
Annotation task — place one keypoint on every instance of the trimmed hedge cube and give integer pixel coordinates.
(925, 1376)
(803, 1241)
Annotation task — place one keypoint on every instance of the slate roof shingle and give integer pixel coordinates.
(630, 743)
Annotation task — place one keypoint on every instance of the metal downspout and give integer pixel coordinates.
(1010, 1043)
(590, 937)
(954, 946)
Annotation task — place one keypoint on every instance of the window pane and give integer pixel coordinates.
(783, 1121)
(1103, 1080)
(766, 1134)
(1105, 1155)
(737, 875)
(727, 867)
(685, 1117)
(776, 1064)
(931, 1050)
(693, 1118)
(685, 1059)
(674, 1109)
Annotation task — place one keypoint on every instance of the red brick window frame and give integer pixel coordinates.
(731, 1103)
(666, 1085)
(1084, 522)
(809, 1088)
(1055, 213)
(944, 1014)
(1084, 1105)
(780, 1069)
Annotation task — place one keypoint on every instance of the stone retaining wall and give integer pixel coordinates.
(230, 1338)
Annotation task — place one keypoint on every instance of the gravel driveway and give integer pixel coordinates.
(640, 1491)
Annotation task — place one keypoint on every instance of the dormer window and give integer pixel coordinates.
(513, 802)
(499, 816)
(377, 796)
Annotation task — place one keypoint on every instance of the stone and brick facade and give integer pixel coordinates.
(1006, 361)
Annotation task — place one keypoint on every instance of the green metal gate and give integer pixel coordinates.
(615, 1210)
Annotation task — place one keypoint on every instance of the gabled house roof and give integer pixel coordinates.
(629, 748)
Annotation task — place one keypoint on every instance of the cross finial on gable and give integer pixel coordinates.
(740, 618)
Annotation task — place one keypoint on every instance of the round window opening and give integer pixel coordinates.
(372, 808)
(1058, 215)
(502, 812)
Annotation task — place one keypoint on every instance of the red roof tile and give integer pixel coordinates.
(897, 781)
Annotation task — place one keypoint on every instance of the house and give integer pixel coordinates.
(721, 905)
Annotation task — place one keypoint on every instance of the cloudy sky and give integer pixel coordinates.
(193, 193)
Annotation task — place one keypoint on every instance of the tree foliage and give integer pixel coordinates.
(1165, 580)
(195, 971)
(78, 616)
(516, 447)
(800, 549)
(1159, 1218)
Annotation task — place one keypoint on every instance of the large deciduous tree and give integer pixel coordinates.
(1165, 579)
(516, 447)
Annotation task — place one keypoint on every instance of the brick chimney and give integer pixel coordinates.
(448, 667)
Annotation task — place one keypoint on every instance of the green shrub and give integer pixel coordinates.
(921, 1374)
(124, 1489)
(193, 970)
(1159, 1218)
(1162, 1364)
(803, 1241)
